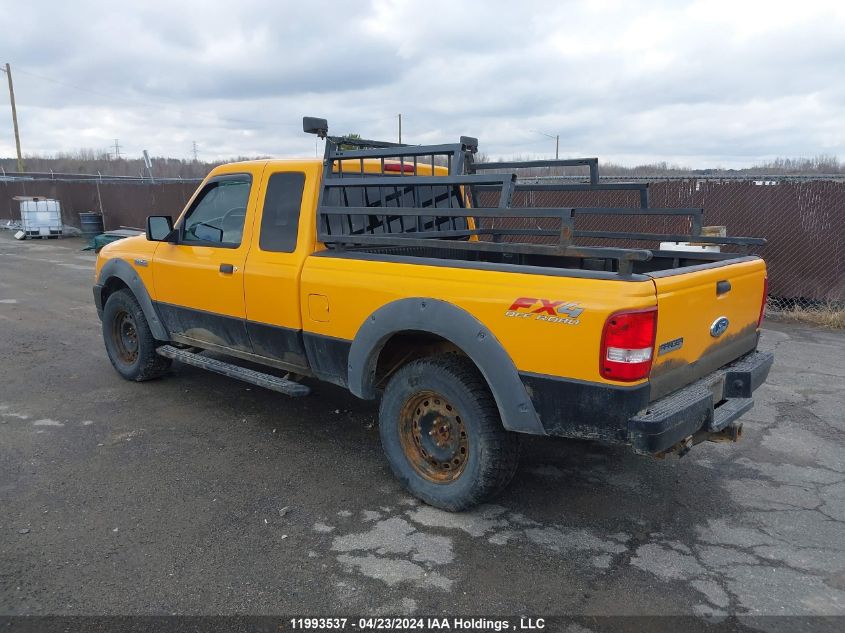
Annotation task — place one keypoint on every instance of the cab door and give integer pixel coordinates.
(199, 279)
(272, 281)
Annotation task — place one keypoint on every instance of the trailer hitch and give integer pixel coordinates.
(731, 433)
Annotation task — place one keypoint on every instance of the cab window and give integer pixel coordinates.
(217, 215)
(280, 219)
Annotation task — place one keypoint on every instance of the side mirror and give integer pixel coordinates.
(159, 228)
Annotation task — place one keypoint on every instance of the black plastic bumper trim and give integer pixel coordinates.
(98, 299)
(582, 409)
(743, 377)
(709, 404)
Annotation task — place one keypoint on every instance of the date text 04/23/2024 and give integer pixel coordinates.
(475, 625)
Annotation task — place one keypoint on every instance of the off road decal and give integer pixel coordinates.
(566, 312)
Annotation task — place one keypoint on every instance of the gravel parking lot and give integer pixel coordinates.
(196, 494)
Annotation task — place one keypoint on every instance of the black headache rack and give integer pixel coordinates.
(385, 195)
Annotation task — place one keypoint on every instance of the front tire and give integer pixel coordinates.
(129, 342)
(442, 434)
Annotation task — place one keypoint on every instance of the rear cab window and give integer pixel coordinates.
(280, 217)
(385, 197)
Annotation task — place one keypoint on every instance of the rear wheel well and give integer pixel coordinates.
(406, 346)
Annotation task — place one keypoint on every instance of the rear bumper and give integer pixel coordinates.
(708, 406)
(705, 409)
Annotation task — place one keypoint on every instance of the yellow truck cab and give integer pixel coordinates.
(415, 275)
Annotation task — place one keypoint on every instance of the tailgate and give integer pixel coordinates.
(705, 319)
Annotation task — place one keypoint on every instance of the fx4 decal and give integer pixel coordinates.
(566, 312)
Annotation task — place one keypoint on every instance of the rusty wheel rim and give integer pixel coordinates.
(434, 437)
(125, 337)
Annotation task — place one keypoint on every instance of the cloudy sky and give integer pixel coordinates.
(708, 83)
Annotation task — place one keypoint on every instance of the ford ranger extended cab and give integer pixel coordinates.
(418, 276)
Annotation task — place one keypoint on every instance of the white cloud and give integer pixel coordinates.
(704, 83)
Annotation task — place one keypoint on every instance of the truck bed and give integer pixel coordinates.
(660, 261)
(382, 203)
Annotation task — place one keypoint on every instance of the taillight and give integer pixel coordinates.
(407, 169)
(763, 302)
(627, 343)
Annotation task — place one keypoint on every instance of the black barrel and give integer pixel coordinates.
(91, 225)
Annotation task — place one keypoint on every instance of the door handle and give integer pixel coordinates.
(722, 287)
(227, 269)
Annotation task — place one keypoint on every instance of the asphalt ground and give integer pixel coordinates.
(197, 494)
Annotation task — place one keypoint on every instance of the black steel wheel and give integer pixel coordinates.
(125, 337)
(129, 342)
(442, 434)
(434, 437)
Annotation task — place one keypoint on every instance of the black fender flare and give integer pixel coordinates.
(464, 331)
(122, 270)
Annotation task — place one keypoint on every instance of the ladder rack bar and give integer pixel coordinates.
(500, 247)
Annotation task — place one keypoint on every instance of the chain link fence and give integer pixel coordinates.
(803, 218)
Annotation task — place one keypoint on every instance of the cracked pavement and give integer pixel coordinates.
(196, 494)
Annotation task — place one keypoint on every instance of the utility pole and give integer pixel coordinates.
(8, 71)
(149, 165)
(116, 149)
(556, 137)
(400, 128)
(194, 150)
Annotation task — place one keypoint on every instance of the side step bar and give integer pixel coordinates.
(268, 381)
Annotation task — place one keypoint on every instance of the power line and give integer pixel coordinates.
(159, 105)
(192, 114)
(116, 149)
(211, 117)
(520, 143)
(556, 137)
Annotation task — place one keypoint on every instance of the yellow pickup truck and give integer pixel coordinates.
(419, 276)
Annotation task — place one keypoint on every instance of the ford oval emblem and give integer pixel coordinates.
(719, 326)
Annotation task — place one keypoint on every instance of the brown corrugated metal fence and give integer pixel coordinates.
(123, 203)
(802, 219)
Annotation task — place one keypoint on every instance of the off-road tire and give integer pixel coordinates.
(492, 453)
(134, 361)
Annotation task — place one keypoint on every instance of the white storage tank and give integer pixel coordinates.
(41, 217)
